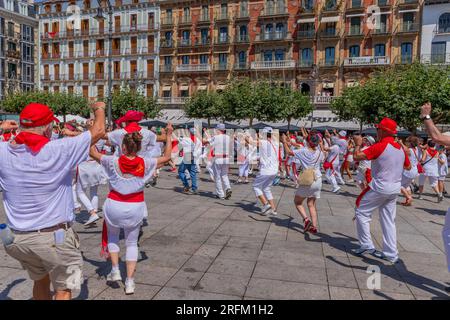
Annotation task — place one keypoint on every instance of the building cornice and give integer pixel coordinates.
(17, 17)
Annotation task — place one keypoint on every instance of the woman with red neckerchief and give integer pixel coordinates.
(430, 165)
(125, 207)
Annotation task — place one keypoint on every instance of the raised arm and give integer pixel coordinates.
(98, 128)
(358, 155)
(432, 130)
(95, 154)
(287, 149)
(8, 125)
(167, 156)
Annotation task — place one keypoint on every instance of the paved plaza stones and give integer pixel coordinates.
(199, 247)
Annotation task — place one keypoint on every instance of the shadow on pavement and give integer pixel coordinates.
(4, 294)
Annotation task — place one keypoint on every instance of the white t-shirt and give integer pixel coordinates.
(148, 141)
(364, 164)
(223, 148)
(431, 166)
(310, 159)
(37, 188)
(333, 155)
(343, 144)
(443, 168)
(268, 157)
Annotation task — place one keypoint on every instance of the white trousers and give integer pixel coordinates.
(387, 207)
(243, 169)
(331, 178)
(221, 177)
(75, 197)
(89, 204)
(131, 240)
(446, 237)
(432, 180)
(262, 184)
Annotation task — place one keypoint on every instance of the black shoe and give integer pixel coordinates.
(228, 194)
(447, 289)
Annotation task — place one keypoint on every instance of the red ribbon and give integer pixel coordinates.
(135, 167)
(33, 141)
(104, 251)
(358, 200)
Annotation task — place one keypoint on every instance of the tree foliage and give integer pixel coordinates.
(127, 99)
(397, 93)
(204, 104)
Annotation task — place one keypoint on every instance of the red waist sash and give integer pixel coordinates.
(132, 197)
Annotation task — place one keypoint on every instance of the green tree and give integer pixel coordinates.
(204, 104)
(293, 105)
(241, 101)
(126, 99)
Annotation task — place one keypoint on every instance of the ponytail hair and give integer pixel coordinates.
(132, 142)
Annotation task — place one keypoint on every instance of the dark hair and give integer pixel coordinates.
(431, 144)
(132, 142)
(414, 141)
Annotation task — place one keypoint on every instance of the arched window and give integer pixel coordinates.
(268, 31)
(279, 30)
(444, 23)
(305, 88)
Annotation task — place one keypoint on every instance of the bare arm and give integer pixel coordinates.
(98, 128)
(287, 149)
(9, 125)
(167, 156)
(432, 130)
(358, 155)
(95, 154)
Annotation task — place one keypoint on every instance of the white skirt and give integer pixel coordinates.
(124, 214)
(91, 174)
(312, 191)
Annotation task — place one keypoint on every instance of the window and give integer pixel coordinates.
(184, 59)
(203, 59)
(244, 9)
(186, 14)
(205, 13)
(168, 60)
(355, 25)
(268, 31)
(380, 50)
(407, 52)
(444, 23)
(168, 35)
(307, 58)
(279, 55)
(223, 60)
(330, 28)
(243, 33)
(308, 4)
(186, 37)
(204, 33)
(279, 31)
(354, 51)
(383, 23)
(438, 52)
(223, 34)
(329, 55)
(267, 56)
(242, 58)
(223, 10)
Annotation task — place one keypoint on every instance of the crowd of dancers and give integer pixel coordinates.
(48, 170)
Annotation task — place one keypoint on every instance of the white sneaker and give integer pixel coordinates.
(336, 190)
(273, 212)
(350, 181)
(266, 208)
(129, 286)
(114, 276)
(92, 219)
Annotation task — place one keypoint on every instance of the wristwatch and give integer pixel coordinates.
(427, 117)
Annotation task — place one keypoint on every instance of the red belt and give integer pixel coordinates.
(221, 155)
(131, 197)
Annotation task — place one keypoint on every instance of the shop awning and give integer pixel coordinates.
(167, 88)
(330, 19)
(184, 87)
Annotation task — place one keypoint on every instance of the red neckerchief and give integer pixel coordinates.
(193, 138)
(132, 127)
(7, 136)
(33, 141)
(390, 140)
(135, 167)
(432, 152)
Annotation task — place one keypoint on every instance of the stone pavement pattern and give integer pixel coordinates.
(199, 247)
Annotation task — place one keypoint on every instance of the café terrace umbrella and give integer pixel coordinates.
(258, 126)
(285, 128)
(153, 123)
(191, 125)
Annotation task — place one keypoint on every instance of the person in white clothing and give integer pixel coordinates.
(430, 165)
(388, 162)
(222, 147)
(409, 175)
(443, 171)
(310, 157)
(331, 163)
(364, 171)
(36, 175)
(125, 207)
(268, 169)
(443, 140)
(243, 158)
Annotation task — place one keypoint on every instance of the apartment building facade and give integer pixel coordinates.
(18, 54)
(435, 38)
(74, 50)
(316, 46)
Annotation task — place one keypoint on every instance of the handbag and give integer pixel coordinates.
(420, 169)
(308, 177)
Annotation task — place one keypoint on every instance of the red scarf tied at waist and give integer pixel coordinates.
(33, 141)
(132, 127)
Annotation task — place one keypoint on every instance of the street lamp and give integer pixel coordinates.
(100, 17)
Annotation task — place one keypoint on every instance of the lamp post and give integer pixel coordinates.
(315, 76)
(100, 17)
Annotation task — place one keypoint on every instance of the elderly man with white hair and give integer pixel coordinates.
(268, 169)
(444, 140)
(36, 178)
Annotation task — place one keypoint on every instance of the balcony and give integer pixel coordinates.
(382, 31)
(166, 43)
(166, 68)
(241, 66)
(354, 5)
(242, 38)
(184, 43)
(13, 54)
(329, 63)
(223, 66)
(436, 59)
(185, 20)
(366, 61)
(306, 34)
(408, 27)
(243, 14)
(135, 28)
(203, 42)
(167, 21)
(405, 59)
(355, 31)
(222, 40)
(270, 11)
(221, 16)
(97, 76)
(173, 100)
(273, 36)
(193, 68)
(307, 63)
(277, 64)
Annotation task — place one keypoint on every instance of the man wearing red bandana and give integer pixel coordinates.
(130, 121)
(388, 162)
(36, 178)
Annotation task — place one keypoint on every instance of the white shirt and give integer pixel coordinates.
(364, 164)
(268, 157)
(148, 141)
(37, 188)
(443, 168)
(431, 166)
(343, 145)
(222, 146)
(333, 155)
(310, 159)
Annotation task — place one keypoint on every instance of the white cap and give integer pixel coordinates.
(220, 126)
(370, 139)
(343, 133)
(267, 130)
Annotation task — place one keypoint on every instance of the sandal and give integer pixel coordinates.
(313, 230)
(307, 224)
